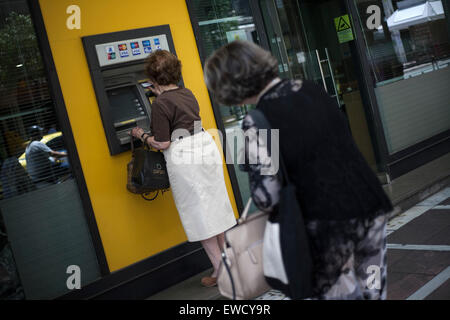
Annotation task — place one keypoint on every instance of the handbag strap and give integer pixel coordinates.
(246, 210)
(224, 255)
(149, 199)
(227, 267)
(262, 123)
(132, 139)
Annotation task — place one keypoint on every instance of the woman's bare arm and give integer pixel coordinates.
(157, 144)
(150, 140)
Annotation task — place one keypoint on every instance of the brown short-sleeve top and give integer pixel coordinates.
(171, 110)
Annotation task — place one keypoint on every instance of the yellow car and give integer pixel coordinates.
(54, 141)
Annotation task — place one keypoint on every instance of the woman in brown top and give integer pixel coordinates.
(194, 163)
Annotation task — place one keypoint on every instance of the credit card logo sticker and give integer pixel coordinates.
(156, 41)
(124, 53)
(109, 49)
(111, 56)
(147, 50)
(122, 47)
(146, 43)
(135, 48)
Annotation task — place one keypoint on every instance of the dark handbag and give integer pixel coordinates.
(291, 270)
(147, 172)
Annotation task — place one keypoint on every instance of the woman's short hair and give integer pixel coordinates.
(239, 70)
(163, 67)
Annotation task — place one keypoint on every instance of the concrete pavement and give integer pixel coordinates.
(419, 251)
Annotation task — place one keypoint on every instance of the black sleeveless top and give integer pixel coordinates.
(333, 179)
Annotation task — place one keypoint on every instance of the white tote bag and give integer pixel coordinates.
(241, 274)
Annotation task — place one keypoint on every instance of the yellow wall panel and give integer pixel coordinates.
(131, 228)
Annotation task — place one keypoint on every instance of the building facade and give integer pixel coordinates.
(69, 228)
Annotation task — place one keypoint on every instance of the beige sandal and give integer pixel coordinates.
(209, 282)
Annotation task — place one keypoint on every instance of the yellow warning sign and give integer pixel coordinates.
(343, 28)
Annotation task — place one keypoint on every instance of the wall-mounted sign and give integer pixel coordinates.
(129, 50)
(236, 35)
(343, 28)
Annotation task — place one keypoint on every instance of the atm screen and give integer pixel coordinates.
(125, 104)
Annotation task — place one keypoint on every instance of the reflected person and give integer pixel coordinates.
(37, 154)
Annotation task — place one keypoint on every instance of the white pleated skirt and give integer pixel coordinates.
(195, 170)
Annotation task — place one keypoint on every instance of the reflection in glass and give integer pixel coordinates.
(42, 223)
(221, 22)
(412, 39)
(409, 54)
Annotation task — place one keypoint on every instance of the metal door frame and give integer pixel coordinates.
(278, 32)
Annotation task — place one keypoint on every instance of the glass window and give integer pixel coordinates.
(411, 40)
(42, 224)
(409, 53)
(221, 22)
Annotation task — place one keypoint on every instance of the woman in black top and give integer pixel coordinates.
(342, 201)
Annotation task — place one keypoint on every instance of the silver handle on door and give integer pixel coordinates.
(321, 71)
(284, 65)
(332, 77)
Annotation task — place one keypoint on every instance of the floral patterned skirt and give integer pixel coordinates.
(349, 258)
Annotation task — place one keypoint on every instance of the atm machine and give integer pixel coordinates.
(117, 66)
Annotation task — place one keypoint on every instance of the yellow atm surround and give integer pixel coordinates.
(131, 229)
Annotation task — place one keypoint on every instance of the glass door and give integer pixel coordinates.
(276, 41)
(315, 39)
(331, 56)
(285, 38)
(302, 36)
(218, 22)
